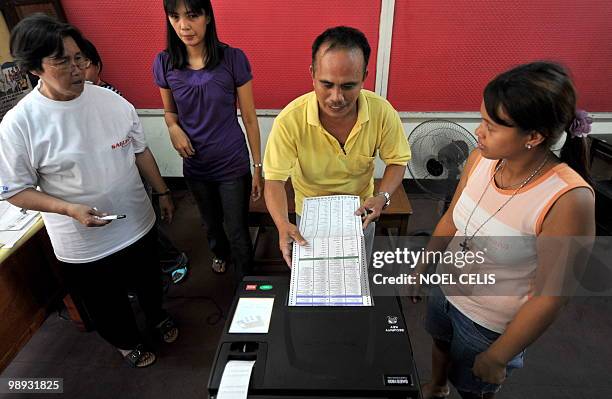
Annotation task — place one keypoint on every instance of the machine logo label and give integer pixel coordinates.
(392, 326)
(398, 380)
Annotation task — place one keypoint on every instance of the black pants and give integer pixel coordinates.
(226, 202)
(168, 253)
(102, 287)
(166, 250)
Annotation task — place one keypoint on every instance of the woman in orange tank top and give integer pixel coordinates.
(524, 111)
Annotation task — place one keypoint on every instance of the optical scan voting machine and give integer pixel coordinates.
(317, 333)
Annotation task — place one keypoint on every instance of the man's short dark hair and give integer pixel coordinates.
(343, 37)
(38, 36)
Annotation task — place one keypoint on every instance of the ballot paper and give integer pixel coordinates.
(235, 379)
(331, 269)
(252, 316)
(14, 223)
(13, 218)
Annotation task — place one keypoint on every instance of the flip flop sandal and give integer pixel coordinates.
(179, 274)
(140, 357)
(168, 266)
(167, 331)
(218, 266)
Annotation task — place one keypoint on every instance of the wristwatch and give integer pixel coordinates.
(387, 198)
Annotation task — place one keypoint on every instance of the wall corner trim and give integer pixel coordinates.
(385, 38)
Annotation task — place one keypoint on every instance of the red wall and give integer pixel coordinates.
(276, 36)
(444, 53)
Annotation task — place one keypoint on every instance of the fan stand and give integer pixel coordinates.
(440, 149)
(441, 207)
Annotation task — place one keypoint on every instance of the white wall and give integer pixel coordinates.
(168, 160)
(170, 163)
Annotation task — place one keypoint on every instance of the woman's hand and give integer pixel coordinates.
(86, 215)
(413, 291)
(166, 208)
(181, 142)
(257, 185)
(488, 369)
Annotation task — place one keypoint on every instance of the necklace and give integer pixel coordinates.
(465, 245)
(501, 179)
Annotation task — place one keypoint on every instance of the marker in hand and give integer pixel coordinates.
(111, 217)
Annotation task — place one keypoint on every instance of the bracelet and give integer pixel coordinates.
(167, 192)
(257, 165)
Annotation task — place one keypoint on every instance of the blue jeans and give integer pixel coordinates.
(226, 202)
(446, 323)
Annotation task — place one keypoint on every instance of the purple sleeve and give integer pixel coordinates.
(160, 68)
(240, 67)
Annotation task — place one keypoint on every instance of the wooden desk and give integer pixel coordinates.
(601, 146)
(395, 216)
(30, 285)
(601, 174)
(28, 288)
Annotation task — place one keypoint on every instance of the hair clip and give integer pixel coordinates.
(581, 124)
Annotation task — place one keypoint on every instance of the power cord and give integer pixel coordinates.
(213, 318)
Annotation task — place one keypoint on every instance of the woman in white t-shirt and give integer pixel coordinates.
(83, 147)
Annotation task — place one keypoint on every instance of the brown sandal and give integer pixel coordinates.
(167, 330)
(218, 266)
(140, 357)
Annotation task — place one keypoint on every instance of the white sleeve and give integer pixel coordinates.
(16, 170)
(137, 133)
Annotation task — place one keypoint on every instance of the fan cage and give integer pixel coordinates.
(426, 140)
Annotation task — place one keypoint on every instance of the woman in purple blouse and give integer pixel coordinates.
(200, 80)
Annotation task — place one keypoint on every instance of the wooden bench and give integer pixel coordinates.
(395, 217)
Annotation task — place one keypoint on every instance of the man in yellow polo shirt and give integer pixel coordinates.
(327, 140)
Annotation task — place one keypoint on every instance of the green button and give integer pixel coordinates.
(265, 287)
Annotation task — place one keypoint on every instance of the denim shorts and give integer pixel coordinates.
(466, 338)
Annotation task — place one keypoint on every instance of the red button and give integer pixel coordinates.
(251, 287)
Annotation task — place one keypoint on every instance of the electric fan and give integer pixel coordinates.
(439, 151)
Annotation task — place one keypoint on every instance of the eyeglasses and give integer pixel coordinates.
(65, 63)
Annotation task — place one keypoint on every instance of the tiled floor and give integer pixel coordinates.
(572, 360)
